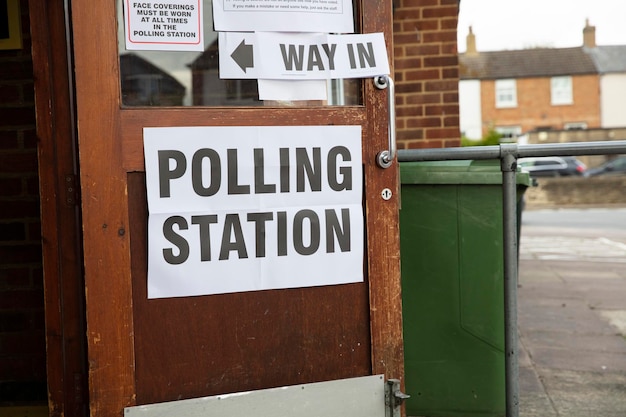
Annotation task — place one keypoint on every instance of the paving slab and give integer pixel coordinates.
(584, 394)
(571, 326)
(580, 341)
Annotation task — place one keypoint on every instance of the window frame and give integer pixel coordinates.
(575, 126)
(509, 132)
(506, 93)
(561, 91)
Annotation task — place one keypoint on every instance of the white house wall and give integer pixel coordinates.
(612, 101)
(469, 108)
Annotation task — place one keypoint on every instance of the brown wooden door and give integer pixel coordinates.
(144, 350)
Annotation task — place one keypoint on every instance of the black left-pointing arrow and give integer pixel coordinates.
(242, 55)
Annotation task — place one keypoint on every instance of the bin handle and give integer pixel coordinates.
(385, 158)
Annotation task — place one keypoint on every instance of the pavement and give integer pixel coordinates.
(571, 325)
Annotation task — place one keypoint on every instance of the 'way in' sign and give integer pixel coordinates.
(267, 55)
(295, 56)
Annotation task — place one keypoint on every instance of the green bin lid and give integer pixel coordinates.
(457, 172)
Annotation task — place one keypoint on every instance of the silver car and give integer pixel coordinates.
(552, 166)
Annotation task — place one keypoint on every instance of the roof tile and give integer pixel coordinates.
(526, 63)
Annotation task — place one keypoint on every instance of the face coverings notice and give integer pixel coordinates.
(160, 25)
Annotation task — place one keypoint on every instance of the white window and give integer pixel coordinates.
(509, 132)
(506, 93)
(561, 91)
(575, 126)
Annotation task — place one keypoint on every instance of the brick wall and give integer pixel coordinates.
(600, 191)
(426, 73)
(22, 343)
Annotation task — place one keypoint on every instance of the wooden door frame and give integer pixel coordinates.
(60, 217)
(105, 163)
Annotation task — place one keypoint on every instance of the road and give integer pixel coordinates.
(597, 235)
(600, 221)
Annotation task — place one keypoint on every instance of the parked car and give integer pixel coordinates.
(614, 166)
(552, 166)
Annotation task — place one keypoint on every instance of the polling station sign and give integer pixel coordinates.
(242, 208)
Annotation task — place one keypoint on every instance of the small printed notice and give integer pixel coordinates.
(293, 90)
(283, 16)
(301, 56)
(161, 25)
(244, 208)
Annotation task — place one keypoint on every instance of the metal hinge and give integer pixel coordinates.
(393, 398)
(71, 191)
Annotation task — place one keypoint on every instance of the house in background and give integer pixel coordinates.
(208, 89)
(542, 89)
(610, 63)
(145, 84)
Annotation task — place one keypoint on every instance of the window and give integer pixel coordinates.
(191, 78)
(575, 126)
(561, 91)
(506, 93)
(509, 132)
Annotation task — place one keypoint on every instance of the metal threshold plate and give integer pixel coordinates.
(362, 397)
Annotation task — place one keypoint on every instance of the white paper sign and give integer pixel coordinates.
(253, 208)
(293, 90)
(291, 56)
(283, 15)
(164, 25)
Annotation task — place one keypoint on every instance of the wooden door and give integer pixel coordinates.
(144, 350)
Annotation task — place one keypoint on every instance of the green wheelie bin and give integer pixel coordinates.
(451, 247)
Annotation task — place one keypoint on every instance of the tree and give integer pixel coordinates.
(492, 138)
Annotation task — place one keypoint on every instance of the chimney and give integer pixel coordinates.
(589, 35)
(470, 42)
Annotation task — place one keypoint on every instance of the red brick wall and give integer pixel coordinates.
(426, 73)
(22, 343)
(533, 105)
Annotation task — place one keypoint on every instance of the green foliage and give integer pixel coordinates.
(492, 138)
